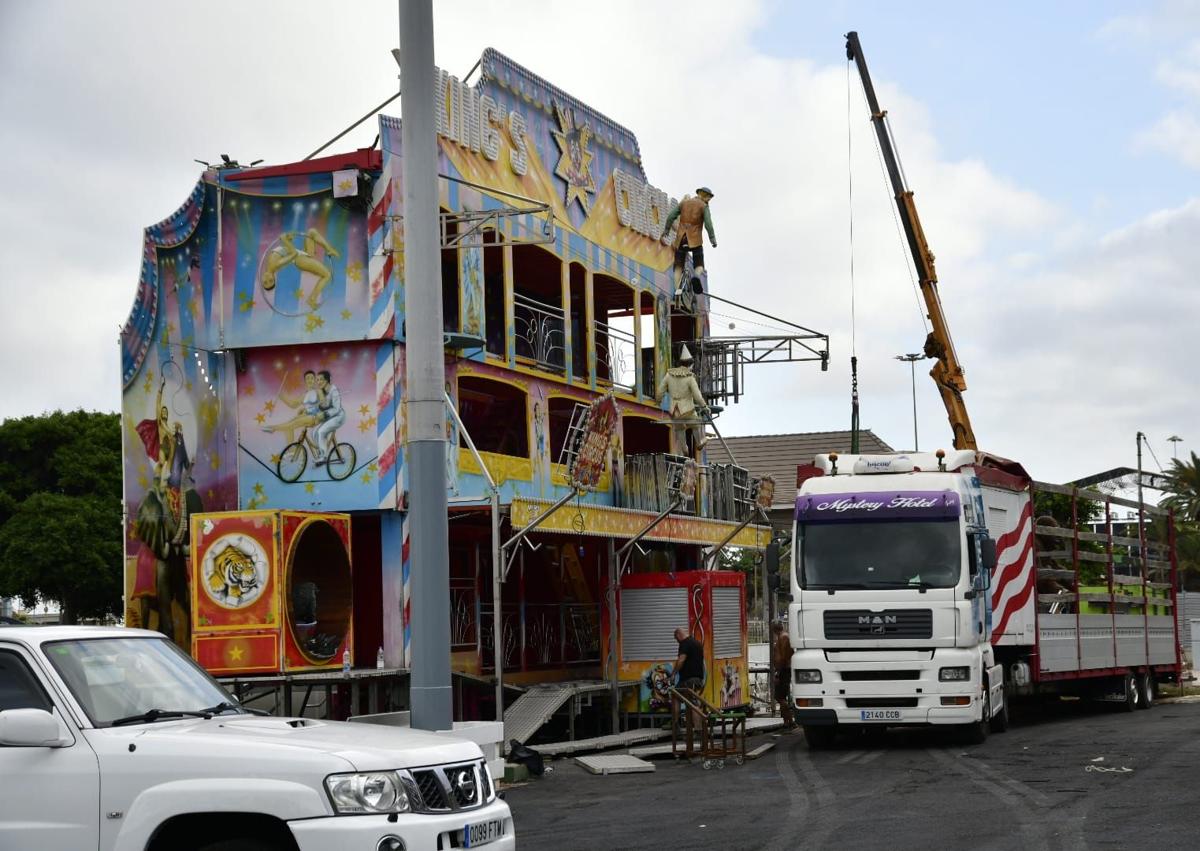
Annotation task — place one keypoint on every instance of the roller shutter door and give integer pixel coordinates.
(727, 622)
(649, 618)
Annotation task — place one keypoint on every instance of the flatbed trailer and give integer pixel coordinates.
(1086, 607)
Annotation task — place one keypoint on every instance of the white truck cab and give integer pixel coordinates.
(114, 739)
(890, 614)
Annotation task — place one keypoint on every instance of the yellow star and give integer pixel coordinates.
(215, 461)
(236, 652)
(246, 306)
(261, 418)
(373, 467)
(258, 489)
(366, 477)
(193, 308)
(354, 271)
(143, 481)
(308, 487)
(363, 425)
(299, 293)
(269, 405)
(248, 390)
(274, 459)
(210, 493)
(346, 186)
(364, 409)
(347, 315)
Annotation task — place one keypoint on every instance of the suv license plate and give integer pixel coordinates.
(881, 714)
(482, 832)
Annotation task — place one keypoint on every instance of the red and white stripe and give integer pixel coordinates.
(1013, 581)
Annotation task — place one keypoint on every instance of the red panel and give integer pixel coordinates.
(367, 159)
(237, 652)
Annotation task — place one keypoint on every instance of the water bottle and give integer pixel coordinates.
(379, 659)
(346, 661)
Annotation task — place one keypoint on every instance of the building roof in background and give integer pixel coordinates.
(778, 455)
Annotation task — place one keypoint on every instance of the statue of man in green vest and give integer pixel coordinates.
(692, 212)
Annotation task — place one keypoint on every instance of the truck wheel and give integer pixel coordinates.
(976, 732)
(820, 738)
(1146, 689)
(1130, 691)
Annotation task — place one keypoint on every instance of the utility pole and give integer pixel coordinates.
(425, 376)
(912, 359)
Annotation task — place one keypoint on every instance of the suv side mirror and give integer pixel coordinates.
(30, 728)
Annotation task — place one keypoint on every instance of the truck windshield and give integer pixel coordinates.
(117, 678)
(918, 554)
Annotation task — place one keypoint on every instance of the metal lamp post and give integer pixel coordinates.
(912, 359)
(1175, 439)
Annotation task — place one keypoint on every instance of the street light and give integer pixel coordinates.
(1175, 445)
(912, 359)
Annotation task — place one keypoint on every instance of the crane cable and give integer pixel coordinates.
(854, 447)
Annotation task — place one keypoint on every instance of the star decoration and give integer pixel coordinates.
(347, 315)
(354, 271)
(269, 405)
(274, 459)
(258, 489)
(215, 461)
(346, 186)
(312, 322)
(373, 467)
(363, 425)
(364, 409)
(260, 418)
(236, 653)
(309, 487)
(366, 478)
(575, 163)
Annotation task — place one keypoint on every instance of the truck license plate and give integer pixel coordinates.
(880, 714)
(482, 832)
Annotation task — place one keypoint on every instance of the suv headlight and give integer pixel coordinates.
(808, 676)
(371, 792)
(958, 674)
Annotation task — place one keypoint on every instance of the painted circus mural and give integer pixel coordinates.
(263, 367)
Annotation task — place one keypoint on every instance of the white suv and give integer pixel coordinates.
(113, 738)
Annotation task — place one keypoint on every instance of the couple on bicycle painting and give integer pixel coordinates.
(320, 408)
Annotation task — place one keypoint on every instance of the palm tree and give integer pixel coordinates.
(1184, 486)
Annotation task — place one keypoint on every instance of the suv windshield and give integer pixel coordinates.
(916, 554)
(116, 678)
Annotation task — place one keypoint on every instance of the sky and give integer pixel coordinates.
(1053, 150)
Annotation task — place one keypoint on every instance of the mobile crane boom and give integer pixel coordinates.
(947, 372)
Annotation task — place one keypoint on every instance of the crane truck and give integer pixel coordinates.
(929, 589)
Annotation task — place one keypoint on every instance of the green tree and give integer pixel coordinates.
(1184, 483)
(60, 512)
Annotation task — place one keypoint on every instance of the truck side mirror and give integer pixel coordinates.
(771, 558)
(30, 728)
(988, 550)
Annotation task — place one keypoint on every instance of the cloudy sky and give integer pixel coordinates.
(1054, 155)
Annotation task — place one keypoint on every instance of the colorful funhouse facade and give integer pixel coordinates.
(264, 410)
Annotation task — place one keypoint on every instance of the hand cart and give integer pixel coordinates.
(722, 732)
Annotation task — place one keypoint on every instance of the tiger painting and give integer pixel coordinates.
(233, 578)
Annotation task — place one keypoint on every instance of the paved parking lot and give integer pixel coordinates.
(1042, 785)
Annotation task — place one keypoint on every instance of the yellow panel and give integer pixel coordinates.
(625, 523)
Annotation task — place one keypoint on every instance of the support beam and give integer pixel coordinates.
(426, 448)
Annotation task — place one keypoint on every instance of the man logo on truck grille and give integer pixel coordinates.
(876, 620)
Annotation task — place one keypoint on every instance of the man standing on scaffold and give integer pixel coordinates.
(692, 212)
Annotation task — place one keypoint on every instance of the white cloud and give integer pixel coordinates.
(1176, 134)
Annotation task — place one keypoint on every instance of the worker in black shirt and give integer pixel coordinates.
(690, 668)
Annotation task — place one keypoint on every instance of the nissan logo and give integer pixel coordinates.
(464, 784)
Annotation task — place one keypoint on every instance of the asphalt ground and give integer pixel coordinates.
(1040, 786)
